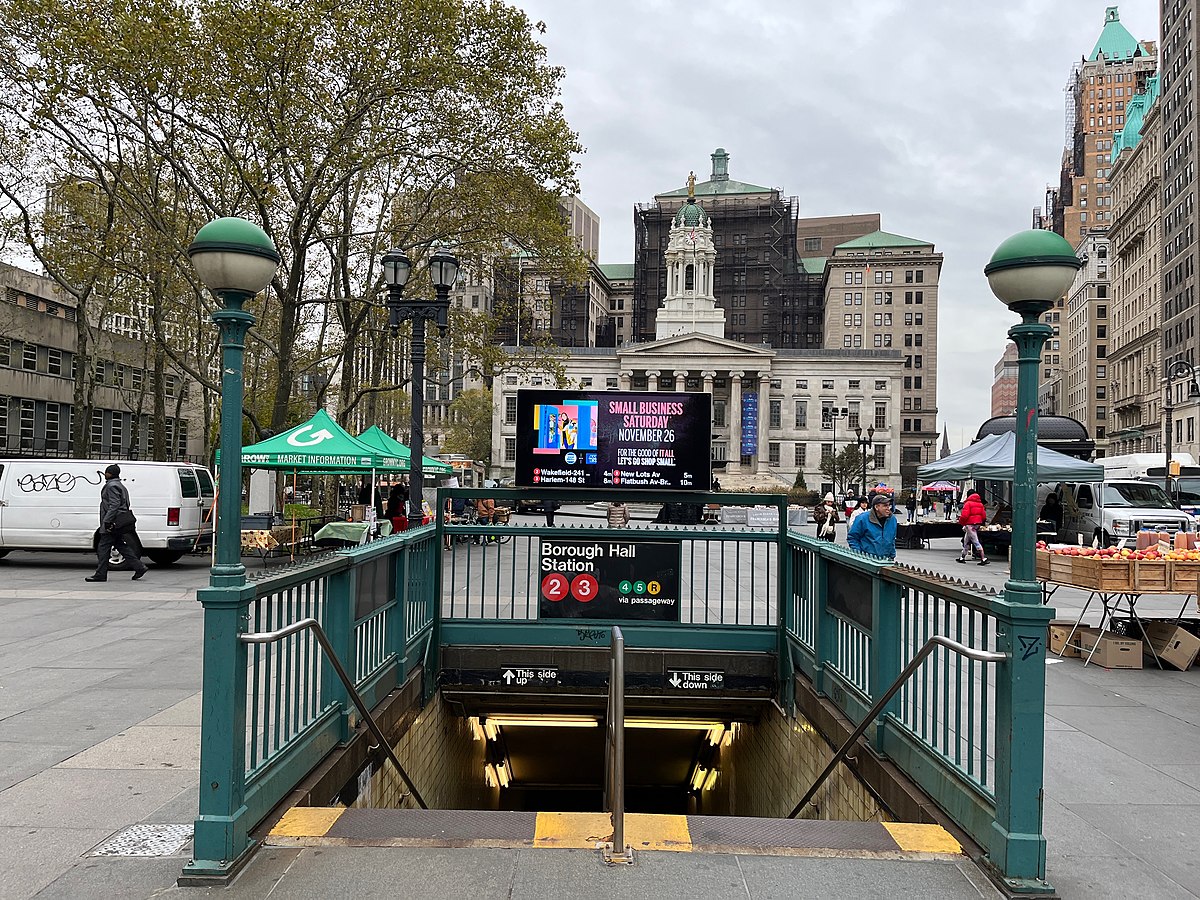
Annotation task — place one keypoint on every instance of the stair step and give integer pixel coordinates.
(320, 826)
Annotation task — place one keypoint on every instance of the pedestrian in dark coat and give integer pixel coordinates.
(117, 527)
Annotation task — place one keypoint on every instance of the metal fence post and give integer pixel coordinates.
(400, 623)
(824, 633)
(1018, 850)
(885, 649)
(431, 584)
(785, 615)
(339, 627)
(221, 839)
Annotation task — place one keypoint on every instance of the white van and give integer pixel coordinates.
(1111, 513)
(54, 504)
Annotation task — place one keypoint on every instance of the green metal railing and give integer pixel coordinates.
(848, 623)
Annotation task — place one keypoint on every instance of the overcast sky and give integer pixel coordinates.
(945, 117)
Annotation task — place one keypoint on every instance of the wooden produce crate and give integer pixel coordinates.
(1185, 574)
(1041, 559)
(1151, 576)
(1061, 568)
(1102, 573)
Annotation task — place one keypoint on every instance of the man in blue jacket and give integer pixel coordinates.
(875, 532)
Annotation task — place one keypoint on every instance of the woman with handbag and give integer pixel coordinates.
(117, 524)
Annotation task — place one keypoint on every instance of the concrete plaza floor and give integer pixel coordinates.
(99, 725)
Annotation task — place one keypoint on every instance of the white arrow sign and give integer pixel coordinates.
(675, 682)
(509, 676)
(317, 437)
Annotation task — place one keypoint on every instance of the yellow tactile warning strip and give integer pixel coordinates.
(922, 838)
(311, 826)
(643, 831)
(306, 821)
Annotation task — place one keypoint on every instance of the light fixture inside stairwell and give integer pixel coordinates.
(492, 723)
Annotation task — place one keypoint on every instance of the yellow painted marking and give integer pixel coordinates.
(571, 830)
(306, 821)
(922, 838)
(643, 831)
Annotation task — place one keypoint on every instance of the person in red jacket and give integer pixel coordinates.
(971, 517)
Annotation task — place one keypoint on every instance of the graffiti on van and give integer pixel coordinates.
(55, 481)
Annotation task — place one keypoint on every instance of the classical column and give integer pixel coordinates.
(764, 420)
(652, 379)
(681, 379)
(708, 376)
(626, 379)
(734, 465)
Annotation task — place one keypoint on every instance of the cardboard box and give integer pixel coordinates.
(1151, 576)
(1112, 651)
(1059, 629)
(1173, 645)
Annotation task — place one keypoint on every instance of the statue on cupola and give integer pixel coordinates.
(689, 306)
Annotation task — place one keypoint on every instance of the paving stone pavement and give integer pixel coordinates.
(99, 717)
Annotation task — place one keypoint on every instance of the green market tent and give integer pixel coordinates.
(992, 457)
(319, 445)
(382, 442)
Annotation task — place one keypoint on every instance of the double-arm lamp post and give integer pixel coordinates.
(864, 445)
(235, 260)
(1028, 272)
(1177, 369)
(443, 270)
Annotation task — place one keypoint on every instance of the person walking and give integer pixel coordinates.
(874, 532)
(618, 514)
(117, 527)
(826, 516)
(861, 507)
(972, 516)
(911, 505)
(550, 506)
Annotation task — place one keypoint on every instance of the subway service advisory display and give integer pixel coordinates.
(621, 439)
(599, 579)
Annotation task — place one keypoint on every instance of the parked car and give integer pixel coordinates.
(53, 504)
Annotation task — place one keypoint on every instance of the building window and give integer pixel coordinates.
(54, 361)
(827, 384)
(53, 420)
(4, 421)
(5, 352)
(878, 320)
(811, 244)
(847, 341)
(510, 449)
(826, 452)
(510, 410)
(773, 453)
(852, 419)
(117, 432)
(800, 455)
(855, 384)
(97, 435)
(611, 382)
(881, 416)
(880, 385)
(802, 384)
(26, 424)
(776, 414)
(801, 413)
(880, 456)
(1102, 413)
(29, 357)
(848, 320)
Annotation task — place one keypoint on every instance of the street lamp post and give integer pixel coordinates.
(1028, 273)
(1175, 370)
(864, 444)
(443, 270)
(835, 413)
(235, 260)
(925, 455)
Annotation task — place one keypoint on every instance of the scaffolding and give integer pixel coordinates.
(758, 279)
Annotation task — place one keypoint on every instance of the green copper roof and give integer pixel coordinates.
(691, 214)
(720, 188)
(814, 265)
(1135, 114)
(617, 271)
(1115, 41)
(882, 239)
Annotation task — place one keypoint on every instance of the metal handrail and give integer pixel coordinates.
(986, 656)
(266, 637)
(617, 851)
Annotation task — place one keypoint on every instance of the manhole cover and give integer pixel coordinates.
(145, 840)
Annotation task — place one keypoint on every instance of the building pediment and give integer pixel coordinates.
(695, 345)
